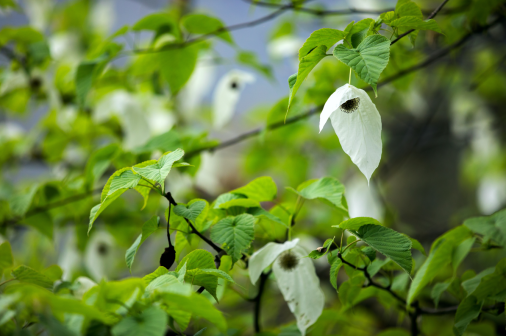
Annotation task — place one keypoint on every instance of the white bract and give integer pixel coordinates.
(357, 123)
(226, 95)
(296, 279)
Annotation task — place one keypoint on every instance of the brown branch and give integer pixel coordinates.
(431, 16)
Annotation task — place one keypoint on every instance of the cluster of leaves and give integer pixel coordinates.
(249, 228)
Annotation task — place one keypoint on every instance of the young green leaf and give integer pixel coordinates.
(159, 170)
(468, 310)
(306, 64)
(388, 242)
(6, 259)
(412, 22)
(261, 189)
(177, 65)
(356, 223)
(234, 234)
(322, 37)
(326, 188)
(368, 60)
(147, 229)
(149, 322)
(492, 227)
(29, 275)
(205, 24)
(204, 260)
(439, 258)
(191, 212)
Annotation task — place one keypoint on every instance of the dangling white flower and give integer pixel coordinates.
(296, 279)
(357, 123)
(227, 94)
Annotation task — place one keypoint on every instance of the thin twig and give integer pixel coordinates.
(431, 16)
(218, 249)
(347, 11)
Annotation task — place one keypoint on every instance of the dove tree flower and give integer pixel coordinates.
(296, 279)
(227, 94)
(357, 123)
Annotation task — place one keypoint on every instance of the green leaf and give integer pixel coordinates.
(334, 270)
(265, 215)
(152, 276)
(468, 310)
(126, 179)
(99, 208)
(250, 59)
(234, 234)
(326, 188)
(159, 170)
(205, 24)
(492, 284)
(261, 189)
(306, 64)
(492, 227)
(6, 259)
(413, 22)
(150, 322)
(29, 275)
(356, 32)
(161, 283)
(53, 272)
(177, 66)
(417, 246)
(154, 22)
(20, 204)
(197, 305)
(437, 290)
(181, 274)
(368, 60)
(240, 202)
(473, 283)
(191, 212)
(210, 271)
(42, 222)
(356, 223)
(316, 254)
(98, 162)
(461, 251)
(390, 243)
(85, 74)
(147, 229)
(440, 257)
(204, 260)
(322, 37)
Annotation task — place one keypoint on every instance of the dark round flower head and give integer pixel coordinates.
(288, 261)
(350, 106)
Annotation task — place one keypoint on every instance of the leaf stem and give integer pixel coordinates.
(353, 242)
(6, 281)
(349, 81)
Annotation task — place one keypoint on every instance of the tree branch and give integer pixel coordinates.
(169, 197)
(348, 11)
